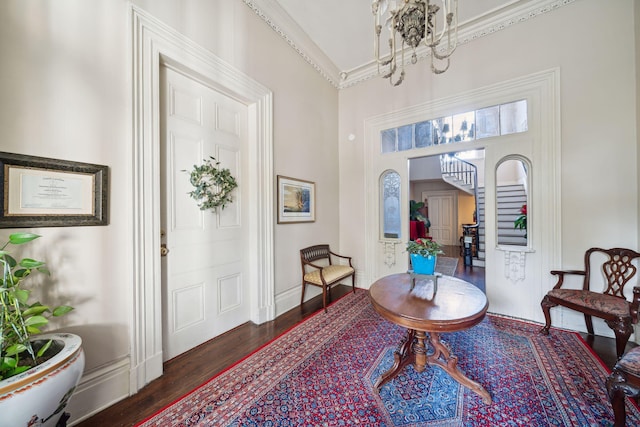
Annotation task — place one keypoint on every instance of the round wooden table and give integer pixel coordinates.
(457, 305)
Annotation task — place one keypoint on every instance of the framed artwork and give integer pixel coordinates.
(42, 192)
(296, 200)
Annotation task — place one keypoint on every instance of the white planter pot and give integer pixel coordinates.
(38, 396)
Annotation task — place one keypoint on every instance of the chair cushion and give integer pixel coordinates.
(630, 362)
(608, 304)
(331, 274)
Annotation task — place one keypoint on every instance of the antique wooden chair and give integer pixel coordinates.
(318, 269)
(609, 304)
(624, 381)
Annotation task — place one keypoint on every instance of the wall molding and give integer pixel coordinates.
(155, 44)
(276, 18)
(105, 385)
(541, 144)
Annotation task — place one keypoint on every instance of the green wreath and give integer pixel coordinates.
(213, 185)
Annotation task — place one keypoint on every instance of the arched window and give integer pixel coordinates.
(513, 174)
(390, 204)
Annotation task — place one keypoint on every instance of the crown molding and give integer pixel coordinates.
(272, 13)
(512, 13)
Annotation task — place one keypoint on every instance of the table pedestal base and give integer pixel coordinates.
(413, 350)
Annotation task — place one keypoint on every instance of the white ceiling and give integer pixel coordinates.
(336, 36)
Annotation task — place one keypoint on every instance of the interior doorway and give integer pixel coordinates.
(451, 186)
(204, 266)
(155, 45)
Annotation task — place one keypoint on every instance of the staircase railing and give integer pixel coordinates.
(459, 169)
(464, 172)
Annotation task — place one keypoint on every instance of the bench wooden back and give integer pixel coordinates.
(618, 268)
(315, 253)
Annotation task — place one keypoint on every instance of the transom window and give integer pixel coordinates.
(486, 122)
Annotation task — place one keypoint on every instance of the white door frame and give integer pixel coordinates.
(153, 44)
(543, 144)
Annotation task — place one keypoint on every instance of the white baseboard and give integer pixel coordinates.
(99, 389)
(289, 299)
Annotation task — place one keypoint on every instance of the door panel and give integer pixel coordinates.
(204, 288)
(443, 217)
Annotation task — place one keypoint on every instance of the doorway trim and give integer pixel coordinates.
(153, 44)
(541, 144)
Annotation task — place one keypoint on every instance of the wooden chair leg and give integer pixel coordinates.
(619, 412)
(622, 330)
(589, 323)
(617, 389)
(324, 298)
(546, 307)
(304, 288)
(621, 343)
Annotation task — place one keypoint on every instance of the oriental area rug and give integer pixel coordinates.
(321, 373)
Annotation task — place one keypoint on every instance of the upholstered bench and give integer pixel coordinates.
(624, 381)
(318, 269)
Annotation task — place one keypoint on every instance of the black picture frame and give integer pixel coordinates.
(45, 192)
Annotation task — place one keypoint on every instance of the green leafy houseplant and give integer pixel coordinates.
(415, 215)
(213, 185)
(424, 247)
(20, 320)
(520, 222)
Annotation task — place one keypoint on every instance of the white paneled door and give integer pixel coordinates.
(204, 267)
(443, 217)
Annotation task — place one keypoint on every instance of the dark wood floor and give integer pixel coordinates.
(187, 371)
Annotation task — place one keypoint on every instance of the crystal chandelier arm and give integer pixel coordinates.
(393, 68)
(449, 49)
(451, 19)
(401, 78)
(375, 7)
(378, 7)
(439, 70)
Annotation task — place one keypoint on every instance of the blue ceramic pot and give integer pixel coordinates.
(423, 264)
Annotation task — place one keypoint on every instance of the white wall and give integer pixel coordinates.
(425, 168)
(66, 84)
(305, 115)
(599, 149)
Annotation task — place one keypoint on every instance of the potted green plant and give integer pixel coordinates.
(520, 222)
(424, 253)
(38, 372)
(416, 215)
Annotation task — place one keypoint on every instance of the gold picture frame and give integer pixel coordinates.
(296, 200)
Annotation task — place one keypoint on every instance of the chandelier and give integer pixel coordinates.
(416, 24)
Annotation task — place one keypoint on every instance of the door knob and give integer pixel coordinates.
(164, 250)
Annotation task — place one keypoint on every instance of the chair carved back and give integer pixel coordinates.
(618, 269)
(314, 253)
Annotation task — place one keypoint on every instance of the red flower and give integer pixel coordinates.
(523, 209)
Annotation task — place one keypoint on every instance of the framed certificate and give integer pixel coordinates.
(42, 192)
